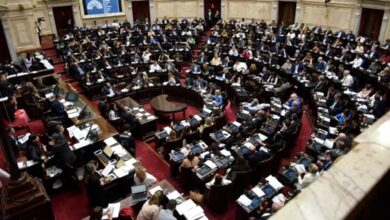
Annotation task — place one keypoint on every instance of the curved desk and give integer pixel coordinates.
(161, 105)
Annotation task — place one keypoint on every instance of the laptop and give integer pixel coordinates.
(139, 193)
(106, 154)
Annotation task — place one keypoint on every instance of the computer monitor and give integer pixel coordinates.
(71, 97)
(138, 189)
(83, 113)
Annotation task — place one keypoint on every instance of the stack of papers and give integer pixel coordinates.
(244, 200)
(279, 199)
(274, 182)
(174, 195)
(259, 192)
(211, 164)
(115, 208)
(110, 141)
(185, 206)
(300, 168)
(194, 213)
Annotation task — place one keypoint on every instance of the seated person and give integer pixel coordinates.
(254, 157)
(33, 149)
(155, 67)
(195, 68)
(365, 92)
(344, 116)
(240, 165)
(143, 177)
(151, 208)
(218, 180)
(126, 139)
(339, 149)
(191, 161)
(56, 107)
(218, 100)
(294, 98)
(304, 179)
(108, 90)
(208, 123)
(167, 213)
(113, 114)
(275, 144)
(171, 79)
(216, 61)
(337, 105)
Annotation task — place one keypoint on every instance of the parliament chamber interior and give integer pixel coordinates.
(194, 109)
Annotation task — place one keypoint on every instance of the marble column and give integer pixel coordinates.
(130, 12)
(274, 15)
(152, 12)
(298, 12)
(385, 21)
(52, 21)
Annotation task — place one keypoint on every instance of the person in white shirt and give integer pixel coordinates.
(308, 177)
(155, 67)
(143, 177)
(218, 180)
(216, 61)
(347, 80)
(146, 55)
(113, 113)
(240, 66)
(357, 62)
(233, 52)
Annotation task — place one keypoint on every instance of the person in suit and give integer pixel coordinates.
(63, 155)
(127, 140)
(337, 105)
(379, 107)
(254, 157)
(321, 64)
(6, 88)
(33, 149)
(320, 85)
(56, 107)
(93, 185)
(240, 165)
(12, 140)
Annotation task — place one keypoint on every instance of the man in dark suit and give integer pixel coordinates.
(12, 140)
(210, 17)
(379, 108)
(56, 107)
(126, 139)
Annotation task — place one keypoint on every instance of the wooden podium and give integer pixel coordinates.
(25, 198)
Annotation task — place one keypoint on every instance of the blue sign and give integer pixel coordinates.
(101, 7)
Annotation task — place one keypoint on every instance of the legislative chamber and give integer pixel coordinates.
(194, 109)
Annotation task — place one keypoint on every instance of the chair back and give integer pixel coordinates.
(171, 145)
(241, 182)
(219, 198)
(186, 179)
(190, 137)
(263, 169)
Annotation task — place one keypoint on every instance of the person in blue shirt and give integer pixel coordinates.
(218, 100)
(343, 116)
(294, 98)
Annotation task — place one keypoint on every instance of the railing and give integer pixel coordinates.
(355, 187)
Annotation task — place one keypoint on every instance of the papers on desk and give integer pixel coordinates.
(300, 168)
(118, 150)
(168, 129)
(73, 113)
(23, 139)
(121, 172)
(262, 137)
(259, 192)
(225, 153)
(272, 181)
(110, 141)
(210, 164)
(185, 206)
(48, 95)
(67, 104)
(115, 208)
(333, 130)
(153, 190)
(82, 143)
(244, 200)
(27, 164)
(279, 199)
(237, 124)
(328, 143)
(107, 170)
(197, 117)
(174, 195)
(194, 213)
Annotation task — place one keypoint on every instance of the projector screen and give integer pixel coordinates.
(101, 8)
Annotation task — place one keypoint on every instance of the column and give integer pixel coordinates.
(201, 9)
(76, 14)
(297, 12)
(385, 21)
(358, 12)
(8, 38)
(222, 9)
(130, 12)
(274, 10)
(151, 12)
(52, 21)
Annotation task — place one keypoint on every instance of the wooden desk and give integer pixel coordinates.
(161, 105)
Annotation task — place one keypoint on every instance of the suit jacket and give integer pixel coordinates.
(33, 152)
(95, 191)
(14, 144)
(63, 154)
(257, 157)
(57, 108)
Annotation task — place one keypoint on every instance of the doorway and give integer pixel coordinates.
(215, 7)
(4, 55)
(61, 17)
(140, 10)
(371, 23)
(286, 12)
